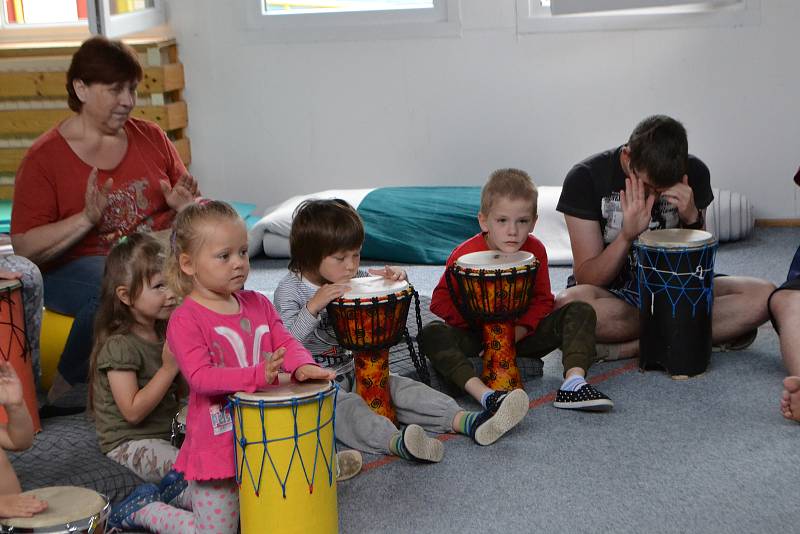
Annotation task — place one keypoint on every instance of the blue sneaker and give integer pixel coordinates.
(171, 486)
(121, 516)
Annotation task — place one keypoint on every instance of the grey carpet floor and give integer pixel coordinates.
(711, 454)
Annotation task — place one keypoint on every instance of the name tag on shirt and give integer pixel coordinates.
(220, 419)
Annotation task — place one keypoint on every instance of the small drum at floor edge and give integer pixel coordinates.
(368, 320)
(179, 427)
(14, 346)
(675, 277)
(285, 457)
(491, 289)
(69, 509)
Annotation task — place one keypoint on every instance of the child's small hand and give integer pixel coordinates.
(324, 296)
(168, 362)
(274, 364)
(9, 275)
(10, 385)
(390, 273)
(313, 372)
(16, 505)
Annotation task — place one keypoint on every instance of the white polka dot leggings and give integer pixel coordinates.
(216, 510)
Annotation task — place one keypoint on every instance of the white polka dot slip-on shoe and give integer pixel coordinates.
(586, 398)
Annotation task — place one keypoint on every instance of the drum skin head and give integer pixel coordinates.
(676, 238)
(373, 286)
(287, 390)
(9, 284)
(495, 260)
(65, 504)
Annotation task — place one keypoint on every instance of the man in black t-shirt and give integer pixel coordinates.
(610, 198)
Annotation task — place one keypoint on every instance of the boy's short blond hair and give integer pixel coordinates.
(512, 184)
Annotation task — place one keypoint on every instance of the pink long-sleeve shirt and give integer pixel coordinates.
(219, 355)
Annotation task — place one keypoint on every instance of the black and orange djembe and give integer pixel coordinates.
(492, 289)
(369, 320)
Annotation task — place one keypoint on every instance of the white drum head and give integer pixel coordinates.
(65, 504)
(9, 284)
(373, 286)
(676, 238)
(287, 390)
(495, 260)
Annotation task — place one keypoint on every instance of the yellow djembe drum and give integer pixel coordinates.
(492, 289)
(286, 457)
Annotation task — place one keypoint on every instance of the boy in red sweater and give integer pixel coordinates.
(507, 217)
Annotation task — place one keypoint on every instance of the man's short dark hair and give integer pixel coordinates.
(658, 146)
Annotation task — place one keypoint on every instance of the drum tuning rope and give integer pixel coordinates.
(243, 464)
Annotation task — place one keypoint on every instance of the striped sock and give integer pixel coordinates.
(573, 383)
(468, 423)
(397, 446)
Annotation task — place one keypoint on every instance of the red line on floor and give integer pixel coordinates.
(535, 403)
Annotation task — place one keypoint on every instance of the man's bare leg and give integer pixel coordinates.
(740, 305)
(785, 308)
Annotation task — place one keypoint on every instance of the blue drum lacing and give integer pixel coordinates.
(243, 464)
(679, 273)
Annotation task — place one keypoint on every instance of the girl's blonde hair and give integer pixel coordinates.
(187, 237)
(131, 263)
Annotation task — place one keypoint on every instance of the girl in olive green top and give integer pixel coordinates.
(134, 390)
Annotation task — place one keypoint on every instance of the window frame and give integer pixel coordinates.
(443, 20)
(102, 22)
(115, 25)
(532, 17)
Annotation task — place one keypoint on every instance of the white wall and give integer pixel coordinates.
(271, 120)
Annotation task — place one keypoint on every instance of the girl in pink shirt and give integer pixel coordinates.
(225, 339)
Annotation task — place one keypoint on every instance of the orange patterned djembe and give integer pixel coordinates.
(369, 320)
(492, 289)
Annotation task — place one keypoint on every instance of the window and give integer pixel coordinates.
(306, 20)
(33, 20)
(295, 7)
(604, 15)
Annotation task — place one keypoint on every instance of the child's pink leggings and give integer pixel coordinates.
(215, 505)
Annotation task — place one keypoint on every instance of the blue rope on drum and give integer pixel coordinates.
(243, 464)
(678, 273)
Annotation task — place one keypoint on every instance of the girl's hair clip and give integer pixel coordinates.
(122, 240)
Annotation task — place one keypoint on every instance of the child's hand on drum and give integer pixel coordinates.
(9, 275)
(390, 273)
(324, 296)
(10, 385)
(313, 372)
(274, 362)
(21, 505)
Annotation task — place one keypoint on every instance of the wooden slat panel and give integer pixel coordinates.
(170, 117)
(67, 48)
(52, 84)
(184, 148)
(10, 158)
(6, 192)
(30, 121)
(36, 121)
